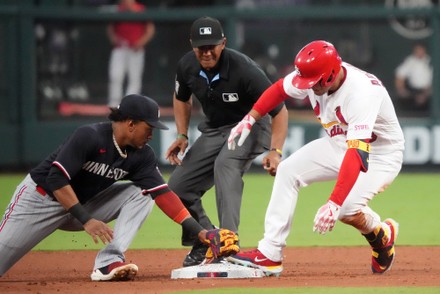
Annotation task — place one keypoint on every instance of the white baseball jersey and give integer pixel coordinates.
(360, 109)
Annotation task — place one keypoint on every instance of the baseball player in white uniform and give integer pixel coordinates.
(363, 152)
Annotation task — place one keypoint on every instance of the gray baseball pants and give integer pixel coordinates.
(30, 217)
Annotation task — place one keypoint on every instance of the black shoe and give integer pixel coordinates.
(196, 256)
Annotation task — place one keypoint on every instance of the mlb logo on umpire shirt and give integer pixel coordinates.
(230, 97)
(205, 31)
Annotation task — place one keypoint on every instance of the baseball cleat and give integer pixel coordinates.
(196, 256)
(383, 258)
(256, 259)
(117, 271)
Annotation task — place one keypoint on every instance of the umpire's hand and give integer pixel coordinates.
(271, 162)
(178, 146)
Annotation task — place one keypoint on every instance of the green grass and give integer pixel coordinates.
(411, 200)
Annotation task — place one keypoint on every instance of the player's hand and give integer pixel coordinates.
(242, 129)
(271, 162)
(326, 217)
(178, 147)
(99, 231)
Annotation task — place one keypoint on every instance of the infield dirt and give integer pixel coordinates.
(69, 271)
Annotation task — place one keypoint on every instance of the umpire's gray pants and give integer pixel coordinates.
(208, 162)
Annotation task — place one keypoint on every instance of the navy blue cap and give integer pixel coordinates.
(144, 108)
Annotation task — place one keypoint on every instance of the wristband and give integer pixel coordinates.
(182, 136)
(279, 151)
(191, 225)
(359, 144)
(80, 213)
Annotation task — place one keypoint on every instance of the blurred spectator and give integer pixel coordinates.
(413, 79)
(58, 74)
(127, 57)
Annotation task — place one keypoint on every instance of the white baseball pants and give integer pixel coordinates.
(320, 161)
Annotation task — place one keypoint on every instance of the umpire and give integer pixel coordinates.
(227, 83)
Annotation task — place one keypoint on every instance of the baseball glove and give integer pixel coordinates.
(222, 243)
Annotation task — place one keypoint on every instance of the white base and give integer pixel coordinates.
(217, 270)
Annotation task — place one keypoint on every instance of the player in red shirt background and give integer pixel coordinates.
(127, 57)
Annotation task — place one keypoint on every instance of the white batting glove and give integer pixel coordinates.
(242, 129)
(326, 217)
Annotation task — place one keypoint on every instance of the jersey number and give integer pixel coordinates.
(374, 80)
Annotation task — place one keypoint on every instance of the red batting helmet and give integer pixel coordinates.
(316, 61)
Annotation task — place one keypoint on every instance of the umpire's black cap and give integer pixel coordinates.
(206, 31)
(144, 108)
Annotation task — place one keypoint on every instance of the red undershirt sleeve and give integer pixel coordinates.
(270, 98)
(171, 205)
(350, 169)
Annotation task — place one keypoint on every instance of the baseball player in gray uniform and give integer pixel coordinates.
(76, 188)
(362, 151)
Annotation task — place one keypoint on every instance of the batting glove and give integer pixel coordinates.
(242, 129)
(326, 217)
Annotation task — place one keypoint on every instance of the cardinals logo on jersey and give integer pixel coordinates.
(335, 128)
(340, 116)
(316, 109)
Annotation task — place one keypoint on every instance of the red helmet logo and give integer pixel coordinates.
(316, 62)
